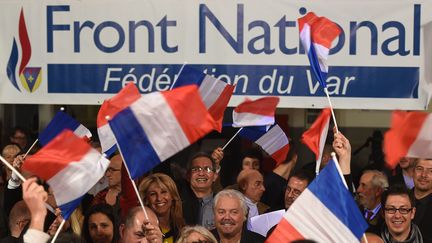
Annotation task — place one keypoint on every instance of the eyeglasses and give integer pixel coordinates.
(421, 169)
(111, 170)
(401, 210)
(295, 192)
(198, 169)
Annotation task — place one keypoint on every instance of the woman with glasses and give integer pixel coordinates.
(160, 193)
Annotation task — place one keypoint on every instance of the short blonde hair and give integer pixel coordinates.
(188, 230)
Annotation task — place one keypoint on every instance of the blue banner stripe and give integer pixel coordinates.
(135, 147)
(60, 122)
(361, 82)
(331, 191)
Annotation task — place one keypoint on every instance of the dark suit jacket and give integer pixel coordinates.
(246, 237)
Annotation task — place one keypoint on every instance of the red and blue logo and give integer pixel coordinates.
(30, 77)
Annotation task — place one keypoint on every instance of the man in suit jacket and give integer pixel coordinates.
(372, 185)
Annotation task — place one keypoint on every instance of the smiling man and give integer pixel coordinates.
(230, 214)
(399, 211)
(197, 194)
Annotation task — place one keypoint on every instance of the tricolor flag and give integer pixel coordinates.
(317, 35)
(60, 122)
(274, 141)
(109, 109)
(316, 136)
(158, 125)
(324, 212)
(410, 135)
(260, 112)
(70, 166)
(214, 92)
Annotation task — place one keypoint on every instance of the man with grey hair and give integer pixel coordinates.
(371, 186)
(230, 213)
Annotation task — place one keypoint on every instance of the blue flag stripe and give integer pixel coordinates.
(189, 76)
(135, 147)
(331, 191)
(253, 133)
(60, 122)
(68, 208)
(316, 70)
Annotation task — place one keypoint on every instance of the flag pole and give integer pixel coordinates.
(333, 155)
(176, 77)
(229, 141)
(133, 185)
(58, 231)
(12, 168)
(130, 177)
(28, 151)
(331, 108)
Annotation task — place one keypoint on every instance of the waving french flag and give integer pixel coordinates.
(324, 212)
(316, 136)
(60, 122)
(317, 35)
(108, 110)
(260, 112)
(158, 125)
(214, 93)
(274, 140)
(70, 166)
(410, 135)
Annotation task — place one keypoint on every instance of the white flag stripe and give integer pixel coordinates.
(250, 119)
(422, 146)
(322, 141)
(162, 129)
(305, 37)
(210, 90)
(273, 140)
(106, 137)
(322, 54)
(78, 177)
(306, 217)
(82, 131)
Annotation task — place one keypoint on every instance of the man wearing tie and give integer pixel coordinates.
(372, 184)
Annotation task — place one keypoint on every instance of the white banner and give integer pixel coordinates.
(82, 52)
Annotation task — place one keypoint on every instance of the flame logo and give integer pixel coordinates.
(30, 77)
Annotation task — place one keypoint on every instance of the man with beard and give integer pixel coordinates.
(230, 215)
(371, 186)
(399, 211)
(197, 193)
(423, 197)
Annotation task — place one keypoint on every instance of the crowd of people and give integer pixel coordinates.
(195, 207)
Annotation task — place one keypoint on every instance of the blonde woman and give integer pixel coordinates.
(159, 192)
(196, 234)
